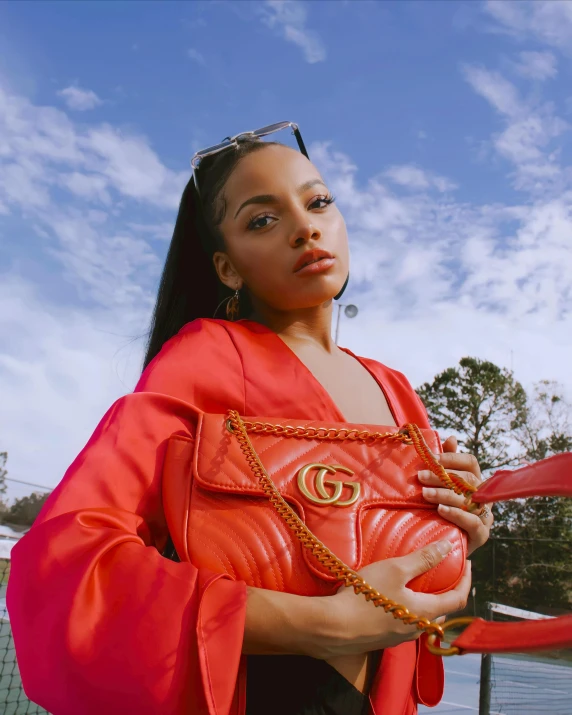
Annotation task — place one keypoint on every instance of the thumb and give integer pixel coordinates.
(450, 444)
(422, 560)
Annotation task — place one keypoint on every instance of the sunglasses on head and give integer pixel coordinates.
(235, 140)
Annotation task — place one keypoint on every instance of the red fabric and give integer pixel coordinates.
(486, 637)
(102, 622)
(549, 477)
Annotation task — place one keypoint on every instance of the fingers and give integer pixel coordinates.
(432, 480)
(456, 598)
(443, 496)
(420, 561)
(459, 461)
(477, 531)
(450, 444)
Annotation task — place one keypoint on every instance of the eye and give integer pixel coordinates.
(258, 222)
(324, 200)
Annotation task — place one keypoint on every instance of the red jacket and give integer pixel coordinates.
(102, 623)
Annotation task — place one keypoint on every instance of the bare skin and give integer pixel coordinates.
(264, 238)
(357, 395)
(360, 400)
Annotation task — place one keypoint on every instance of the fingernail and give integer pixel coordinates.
(429, 492)
(424, 475)
(444, 509)
(444, 546)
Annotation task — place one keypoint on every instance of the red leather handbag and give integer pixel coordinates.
(355, 489)
(301, 508)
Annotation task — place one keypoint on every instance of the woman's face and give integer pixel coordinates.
(279, 216)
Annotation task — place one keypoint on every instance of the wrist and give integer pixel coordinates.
(330, 629)
(287, 624)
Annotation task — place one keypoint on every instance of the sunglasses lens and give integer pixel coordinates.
(230, 141)
(271, 128)
(213, 149)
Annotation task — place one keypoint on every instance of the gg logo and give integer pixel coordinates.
(320, 482)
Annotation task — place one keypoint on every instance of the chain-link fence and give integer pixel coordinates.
(13, 700)
(524, 683)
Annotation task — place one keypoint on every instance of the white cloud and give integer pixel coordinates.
(59, 372)
(530, 129)
(41, 148)
(88, 186)
(80, 99)
(497, 90)
(415, 178)
(159, 232)
(109, 268)
(196, 56)
(58, 369)
(537, 65)
(289, 18)
(547, 20)
(436, 280)
(131, 166)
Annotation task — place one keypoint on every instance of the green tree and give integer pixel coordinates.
(25, 510)
(3, 473)
(482, 404)
(526, 563)
(547, 428)
(537, 568)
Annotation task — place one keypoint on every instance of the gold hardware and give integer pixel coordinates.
(453, 650)
(410, 434)
(233, 306)
(326, 499)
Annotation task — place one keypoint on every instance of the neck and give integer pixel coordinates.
(311, 325)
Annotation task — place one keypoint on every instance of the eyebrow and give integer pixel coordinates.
(272, 199)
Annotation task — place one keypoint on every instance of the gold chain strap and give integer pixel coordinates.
(411, 434)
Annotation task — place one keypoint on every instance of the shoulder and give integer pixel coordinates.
(199, 337)
(400, 392)
(199, 365)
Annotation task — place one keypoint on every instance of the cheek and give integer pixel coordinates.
(261, 263)
(338, 234)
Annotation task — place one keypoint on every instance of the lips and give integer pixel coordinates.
(311, 257)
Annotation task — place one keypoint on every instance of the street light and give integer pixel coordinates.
(350, 311)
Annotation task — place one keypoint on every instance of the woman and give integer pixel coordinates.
(102, 621)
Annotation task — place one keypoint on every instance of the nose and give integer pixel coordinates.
(304, 231)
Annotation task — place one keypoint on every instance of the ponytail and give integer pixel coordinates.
(189, 287)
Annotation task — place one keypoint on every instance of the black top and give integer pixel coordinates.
(296, 684)
(299, 685)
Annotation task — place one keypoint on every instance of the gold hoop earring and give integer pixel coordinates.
(233, 306)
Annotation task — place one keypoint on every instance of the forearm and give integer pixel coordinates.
(285, 624)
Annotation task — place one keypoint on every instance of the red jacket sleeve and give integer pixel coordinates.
(102, 623)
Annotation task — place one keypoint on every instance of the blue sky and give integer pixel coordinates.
(442, 127)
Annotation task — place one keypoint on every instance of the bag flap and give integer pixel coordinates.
(386, 470)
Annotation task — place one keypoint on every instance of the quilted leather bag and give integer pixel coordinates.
(301, 508)
(358, 493)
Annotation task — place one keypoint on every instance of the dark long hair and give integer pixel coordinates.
(189, 287)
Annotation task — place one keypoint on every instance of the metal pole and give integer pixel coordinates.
(485, 689)
(338, 323)
(494, 543)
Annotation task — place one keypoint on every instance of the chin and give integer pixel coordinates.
(315, 300)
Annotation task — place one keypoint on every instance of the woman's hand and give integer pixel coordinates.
(356, 626)
(451, 504)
